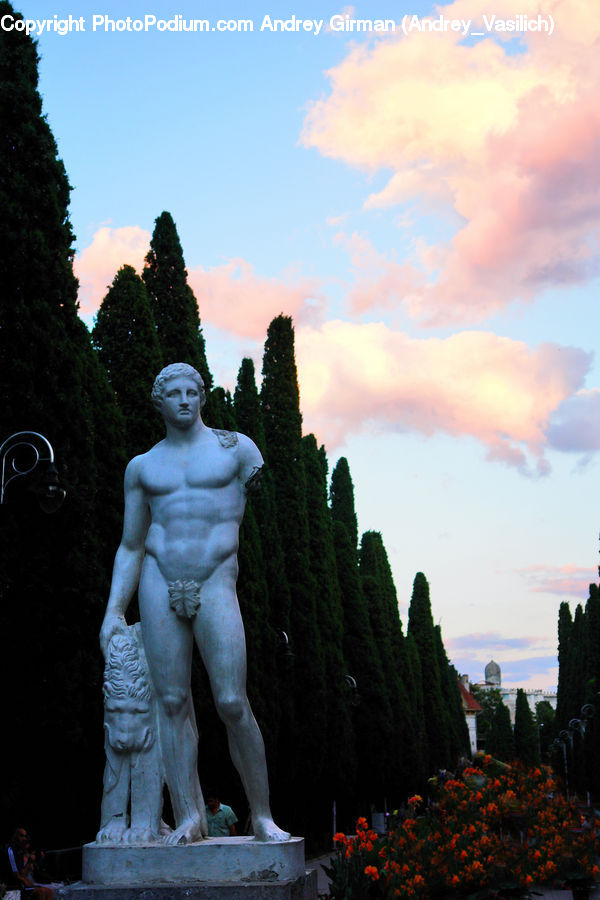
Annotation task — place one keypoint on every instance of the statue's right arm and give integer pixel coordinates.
(130, 555)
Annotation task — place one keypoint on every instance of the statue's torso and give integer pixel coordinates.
(196, 502)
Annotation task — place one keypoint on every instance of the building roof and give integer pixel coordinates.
(469, 702)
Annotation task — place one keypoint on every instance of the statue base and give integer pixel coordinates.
(235, 868)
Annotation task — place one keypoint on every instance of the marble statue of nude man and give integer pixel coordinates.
(184, 502)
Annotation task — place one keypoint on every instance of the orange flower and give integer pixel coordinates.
(339, 838)
(372, 872)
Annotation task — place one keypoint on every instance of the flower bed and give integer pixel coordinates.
(494, 832)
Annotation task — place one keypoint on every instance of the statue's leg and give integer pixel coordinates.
(220, 636)
(168, 645)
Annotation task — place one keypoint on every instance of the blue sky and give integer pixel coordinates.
(427, 209)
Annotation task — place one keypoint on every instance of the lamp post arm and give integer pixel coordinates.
(11, 445)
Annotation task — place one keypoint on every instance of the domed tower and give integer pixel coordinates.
(493, 674)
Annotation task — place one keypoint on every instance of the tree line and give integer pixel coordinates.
(576, 744)
(354, 709)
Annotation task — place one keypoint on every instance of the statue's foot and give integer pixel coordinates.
(112, 832)
(188, 832)
(140, 835)
(265, 829)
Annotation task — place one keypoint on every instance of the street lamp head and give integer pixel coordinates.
(20, 456)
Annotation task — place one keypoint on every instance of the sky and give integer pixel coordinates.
(424, 200)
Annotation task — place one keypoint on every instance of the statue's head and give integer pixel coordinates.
(128, 713)
(176, 370)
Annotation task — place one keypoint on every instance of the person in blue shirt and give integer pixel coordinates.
(221, 818)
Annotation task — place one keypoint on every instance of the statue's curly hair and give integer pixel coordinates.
(173, 371)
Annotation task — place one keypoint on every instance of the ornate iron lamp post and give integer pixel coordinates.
(20, 455)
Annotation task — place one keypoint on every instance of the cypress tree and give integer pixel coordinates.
(53, 572)
(500, 741)
(253, 580)
(175, 310)
(249, 420)
(526, 737)
(454, 717)
(373, 716)
(282, 421)
(279, 736)
(339, 762)
(592, 685)
(125, 337)
(420, 626)
(564, 704)
(342, 499)
(545, 716)
(414, 682)
(380, 594)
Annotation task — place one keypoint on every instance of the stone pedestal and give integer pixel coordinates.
(237, 868)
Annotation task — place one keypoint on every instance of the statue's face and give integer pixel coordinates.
(128, 724)
(181, 401)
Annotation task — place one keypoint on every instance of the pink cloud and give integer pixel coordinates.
(508, 142)
(97, 265)
(569, 580)
(497, 390)
(233, 297)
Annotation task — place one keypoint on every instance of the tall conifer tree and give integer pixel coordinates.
(339, 764)
(526, 738)
(175, 311)
(53, 572)
(282, 420)
(500, 741)
(456, 725)
(373, 716)
(380, 594)
(125, 337)
(420, 626)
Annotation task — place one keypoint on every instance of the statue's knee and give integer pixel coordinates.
(173, 702)
(231, 708)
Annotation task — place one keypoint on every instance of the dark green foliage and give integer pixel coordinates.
(489, 699)
(420, 626)
(500, 742)
(455, 723)
(283, 433)
(545, 718)
(414, 683)
(339, 763)
(125, 337)
(53, 571)
(373, 717)
(175, 309)
(218, 412)
(578, 685)
(564, 702)
(526, 738)
(249, 420)
(380, 595)
(342, 499)
(255, 585)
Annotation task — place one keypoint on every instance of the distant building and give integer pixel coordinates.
(493, 679)
(470, 708)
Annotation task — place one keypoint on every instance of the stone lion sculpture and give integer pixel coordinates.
(133, 776)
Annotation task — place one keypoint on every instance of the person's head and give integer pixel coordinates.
(176, 370)
(20, 838)
(212, 799)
